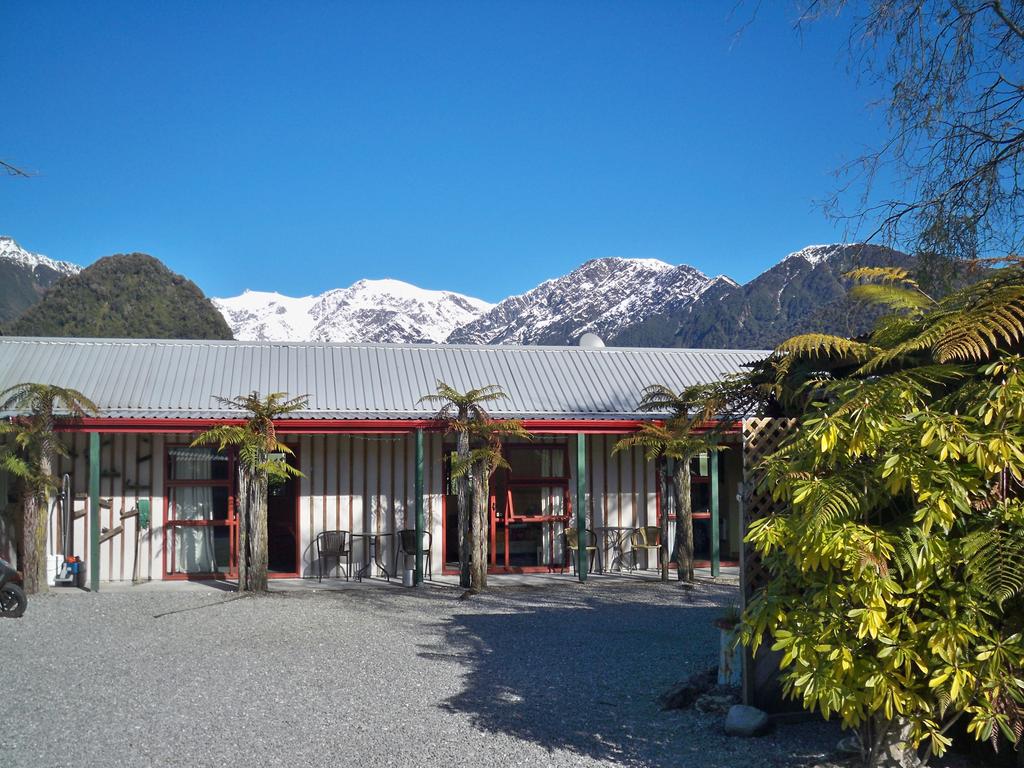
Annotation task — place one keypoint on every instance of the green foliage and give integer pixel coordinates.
(31, 458)
(35, 441)
(125, 296)
(256, 441)
(897, 569)
(485, 439)
(457, 409)
(690, 428)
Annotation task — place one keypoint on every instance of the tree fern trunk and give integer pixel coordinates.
(33, 567)
(242, 516)
(462, 491)
(684, 521)
(664, 525)
(42, 517)
(258, 535)
(478, 573)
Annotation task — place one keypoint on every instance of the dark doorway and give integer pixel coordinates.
(282, 527)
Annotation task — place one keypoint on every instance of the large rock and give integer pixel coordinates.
(742, 720)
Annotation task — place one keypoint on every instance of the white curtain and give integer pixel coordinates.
(193, 549)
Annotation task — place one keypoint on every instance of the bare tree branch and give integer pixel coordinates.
(952, 72)
(12, 170)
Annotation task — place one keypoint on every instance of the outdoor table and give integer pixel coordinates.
(372, 541)
(614, 537)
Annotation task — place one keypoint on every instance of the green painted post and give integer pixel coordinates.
(94, 511)
(419, 506)
(581, 504)
(716, 559)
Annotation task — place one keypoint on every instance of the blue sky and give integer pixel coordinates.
(475, 146)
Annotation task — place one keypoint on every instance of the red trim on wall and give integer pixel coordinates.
(351, 426)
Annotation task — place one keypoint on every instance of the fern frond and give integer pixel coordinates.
(891, 296)
(883, 275)
(458, 408)
(823, 345)
(995, 320)
(827, 500)
(995, 562)
(891, 330)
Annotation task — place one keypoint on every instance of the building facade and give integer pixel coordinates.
(359, 444)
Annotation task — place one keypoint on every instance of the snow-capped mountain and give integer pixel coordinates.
(385, 311)
(817, 254)
(13, 253)
(602, 296)
(627, 302)
(25, 276)
(804, 292)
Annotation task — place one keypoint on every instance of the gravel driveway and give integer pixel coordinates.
(563, 675)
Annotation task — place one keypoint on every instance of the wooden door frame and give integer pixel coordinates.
(169, 525)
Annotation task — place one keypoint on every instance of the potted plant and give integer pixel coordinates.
(730, 671)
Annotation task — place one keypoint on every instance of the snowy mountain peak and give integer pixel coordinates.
(11, 251)
(601, 296)
(386, 311)
(654, 264)
(815, 254)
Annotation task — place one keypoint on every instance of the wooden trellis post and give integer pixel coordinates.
(761, 437)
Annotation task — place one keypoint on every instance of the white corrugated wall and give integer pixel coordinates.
(358, 483)
(366, 484)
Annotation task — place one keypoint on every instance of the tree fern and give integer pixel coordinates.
(994, 559)
(255, 443)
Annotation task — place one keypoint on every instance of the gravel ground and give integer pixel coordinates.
(564, 675)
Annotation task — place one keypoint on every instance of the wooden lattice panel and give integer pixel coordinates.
(761, 437)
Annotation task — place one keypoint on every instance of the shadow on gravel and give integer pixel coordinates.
(580, 674)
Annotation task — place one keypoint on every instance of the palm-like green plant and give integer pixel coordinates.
(692, 429)
(461, 413)
(897, 568)
(35, 451)
(484, 458)
(260, 462)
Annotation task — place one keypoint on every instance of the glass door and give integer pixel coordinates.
(201, 538)
(529, 508)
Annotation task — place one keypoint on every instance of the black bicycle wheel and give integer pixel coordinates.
(12, 601)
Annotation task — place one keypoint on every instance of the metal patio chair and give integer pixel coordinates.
(406, 547)
(336, 544)
(647, 538)
(590, 546)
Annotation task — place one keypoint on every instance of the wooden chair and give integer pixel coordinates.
(336, 544)
(647, 538)
(590, 546)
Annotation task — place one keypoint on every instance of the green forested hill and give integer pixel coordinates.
(21, 286)
(25, 277)
(129, 296)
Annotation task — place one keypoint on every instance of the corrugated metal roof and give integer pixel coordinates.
(181, 379)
